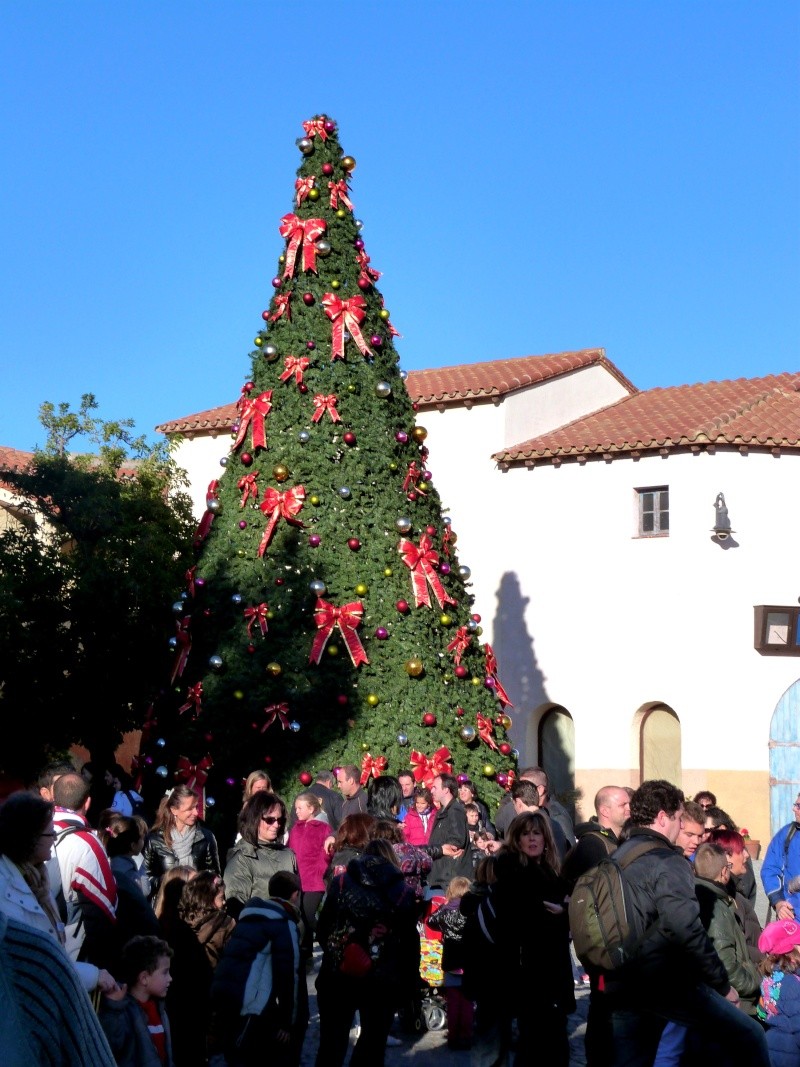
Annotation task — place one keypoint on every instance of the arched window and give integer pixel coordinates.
(659, 743)
(556, 745)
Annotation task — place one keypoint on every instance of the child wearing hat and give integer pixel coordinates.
(779, 1004)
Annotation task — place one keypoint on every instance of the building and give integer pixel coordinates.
(633, 559)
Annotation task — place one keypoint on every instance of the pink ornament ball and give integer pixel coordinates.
(200, 581)
(276, 282)
(401, 436)
(476, 618)
(412, 496)
(310, 346)
(327, 169)
(430, 531)
(359, 244)
(444, 567)
(461, 671)
(381, 633)
(314, 540)
(364, 282)
(376, 340)
(402, 606)
(242, 524)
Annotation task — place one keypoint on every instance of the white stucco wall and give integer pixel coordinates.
(199, 456)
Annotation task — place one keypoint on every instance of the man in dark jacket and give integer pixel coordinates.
(448, 844)
(355, 798)
(331, 801)
(557, 812)
(675, 975)
(600, 836)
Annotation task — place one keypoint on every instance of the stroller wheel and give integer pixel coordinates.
(435, 1015)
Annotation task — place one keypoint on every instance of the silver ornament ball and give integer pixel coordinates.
(359, 224)
(270, 352)
(323, 247)
(464, 572)
(345, 493)
(173, 642)
(467, 733)
(161, 771)
(178, 607)
(446, 520)
(403, 524)
(210, 802)
(236, 598)
(472, 626)
(294, 726)
(224, 461)
(404, 374)
(161, 743)
(305, 145)
(214, 506)
(317, 587)
(383, 389)
(215, 662)
(402, 739)
(304, 437)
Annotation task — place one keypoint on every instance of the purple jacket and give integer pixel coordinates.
(306, 840)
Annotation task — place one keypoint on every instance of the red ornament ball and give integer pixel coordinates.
(248, 387)
(459, 713)
(498, 719)
(364, 282)
(342, 699)
(504, 749)
(251, 649)
(461, 671)
(268, 759)
(265, 315)
(428, 719)
(349, 438)
(327, 169)
(430, 531)
(279, 581)
(308, 298)
(209, 738)
(305, 778)
(402, 606)
(412, 496)
(476, 618)
(353, 544)
(303, 387)
(246, 458)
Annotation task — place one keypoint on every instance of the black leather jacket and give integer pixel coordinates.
(159, 858)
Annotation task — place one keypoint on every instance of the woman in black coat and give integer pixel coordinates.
(178, 839)
(533, 940)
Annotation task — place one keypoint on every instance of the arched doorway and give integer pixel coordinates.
(556, 746)
(784, 750)
(658, 737)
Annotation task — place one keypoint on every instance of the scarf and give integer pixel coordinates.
(35, 875)
(182, 845)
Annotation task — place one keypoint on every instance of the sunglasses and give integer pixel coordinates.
(270, 820)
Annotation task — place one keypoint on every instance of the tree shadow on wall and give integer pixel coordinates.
(519, 671)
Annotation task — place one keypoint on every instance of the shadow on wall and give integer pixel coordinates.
(518, 669)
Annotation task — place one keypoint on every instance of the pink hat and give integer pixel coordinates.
(780, 937)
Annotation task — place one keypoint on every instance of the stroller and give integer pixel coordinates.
(426, 1009)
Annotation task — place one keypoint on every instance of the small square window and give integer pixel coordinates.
(653, 511)
(777, 630)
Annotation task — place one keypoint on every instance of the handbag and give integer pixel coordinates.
(356, 961)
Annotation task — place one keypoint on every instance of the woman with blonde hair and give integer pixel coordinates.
(177, 838)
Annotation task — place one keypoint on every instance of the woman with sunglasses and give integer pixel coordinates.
(259, 853)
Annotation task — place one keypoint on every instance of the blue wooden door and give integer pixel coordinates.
(784, 758)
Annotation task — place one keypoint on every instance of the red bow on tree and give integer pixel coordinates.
(511, 778)
(491, 672)
(258, 615)
(280, 506)
(486, 731)
(194, 696)
(347, 618)
(303, 187)
(325, 403)
(301, 232)
(412, 474)
(295, 365)
(184, 638)
(315, 126)
(282, 307)
(247, 483)
(204, 526)
(426, 769)
(191, 774)
(460, 643)
(253, 413)
(137, 772)
(372, 767)
(421, 560)
(189, 578)
(279, 712)
(339, 191)
(446, 539)
(363, 263)
(346, 314)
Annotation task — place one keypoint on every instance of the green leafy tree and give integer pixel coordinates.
(85, 583)
(329, 620)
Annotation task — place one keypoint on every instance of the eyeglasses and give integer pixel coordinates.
(270, 820)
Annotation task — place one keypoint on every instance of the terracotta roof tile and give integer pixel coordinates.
(13, 459)
(444, 385)
(755, 411)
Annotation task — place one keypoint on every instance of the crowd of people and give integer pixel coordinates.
(165, 951)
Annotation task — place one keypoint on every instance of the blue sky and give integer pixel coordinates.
(533, 177)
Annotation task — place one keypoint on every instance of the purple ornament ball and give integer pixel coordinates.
(230, 781)
(462, 778)
(358, 243)
(310, 346)
(381, 633)
(427, 475)
(314, 540)
(242, 524)
(276, 282)
(444, 567)
(490, 683)
(376, 340)
(401, 436)
(329, 125)
(200, 581)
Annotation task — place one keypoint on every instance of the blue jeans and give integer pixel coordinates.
(637, 1025)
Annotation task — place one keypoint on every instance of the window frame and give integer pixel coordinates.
(762, 622)
(657, 512)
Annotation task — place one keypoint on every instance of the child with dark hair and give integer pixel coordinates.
(133, 1018)
(259, 997)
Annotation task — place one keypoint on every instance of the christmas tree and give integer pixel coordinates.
(327, 620)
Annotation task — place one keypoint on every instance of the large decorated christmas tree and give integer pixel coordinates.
(327, 620)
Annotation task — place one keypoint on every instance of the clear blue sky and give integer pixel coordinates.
(533, 177)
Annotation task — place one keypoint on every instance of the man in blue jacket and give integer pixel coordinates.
(780, 871)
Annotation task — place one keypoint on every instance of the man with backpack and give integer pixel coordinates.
(780, 871)
(667, 969)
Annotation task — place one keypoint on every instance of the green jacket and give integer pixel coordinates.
(718, 915)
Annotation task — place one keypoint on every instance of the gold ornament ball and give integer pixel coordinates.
(387, 572)
(384, 314)
(314, 501)
(445, 620)
(333, 650)
(479, 631)
(476, 681)
(274, 669)
(419, 433)
(393, 466)
(361, 589)
(259, 341)
(270, 614)
(341, 213)
(414, 667)
(507, 722)
(281, 258)
(280, 472)
(348, 163)
(373, 700)
(240, 553)
(364, 746)
(488, 770)
(238, 694)
(351, 388)
(313, 194)
(335, 283)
